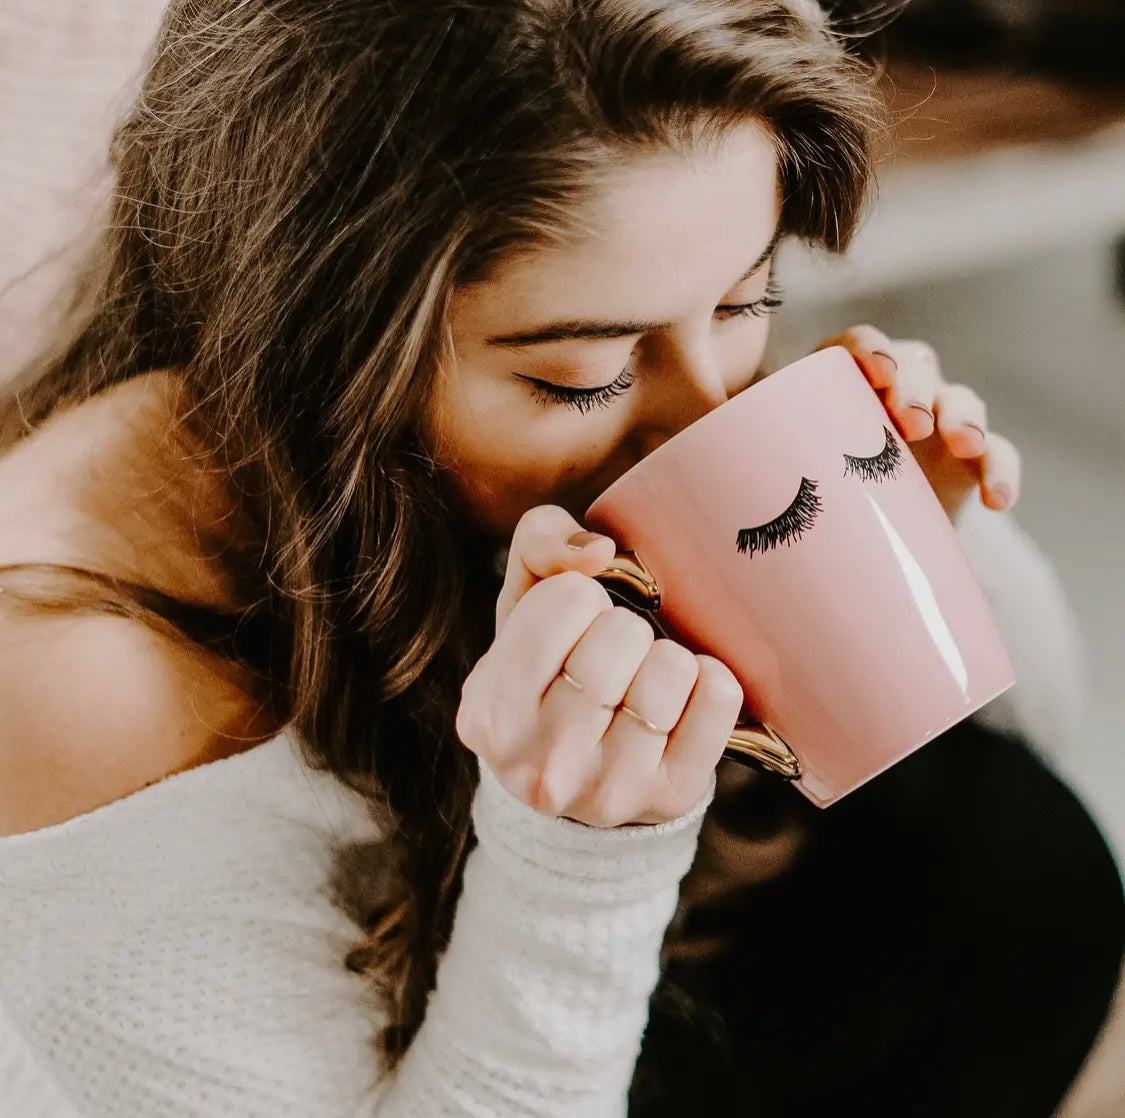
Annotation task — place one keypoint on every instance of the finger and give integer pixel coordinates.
(609, 655)
(962, 421)
(910, 400)
(578, 708)
(633, 745)
(539, 549)
(872, 351)
(697, 743)
(1002, 470)
(547, 623)
(660, 689)
(501, 697)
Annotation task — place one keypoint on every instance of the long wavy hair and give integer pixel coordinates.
(299, 189)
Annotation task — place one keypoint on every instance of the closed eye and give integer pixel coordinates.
(797, 519)
(887, 463)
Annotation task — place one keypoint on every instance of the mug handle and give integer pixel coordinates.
(751, 743)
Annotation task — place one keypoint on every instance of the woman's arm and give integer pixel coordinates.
(542, 996)
(1038, 626)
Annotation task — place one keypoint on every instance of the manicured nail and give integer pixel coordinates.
(979, 430)
(921, 407)
(1001, 496)
(583, 539)
(884, 353)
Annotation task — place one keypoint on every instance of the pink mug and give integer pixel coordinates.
(791, 534)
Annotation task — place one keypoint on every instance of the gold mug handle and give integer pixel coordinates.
(752, 743)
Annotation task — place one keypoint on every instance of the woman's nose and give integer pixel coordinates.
(685, 386)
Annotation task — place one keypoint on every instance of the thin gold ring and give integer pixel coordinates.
(642, 720)
(580, 686)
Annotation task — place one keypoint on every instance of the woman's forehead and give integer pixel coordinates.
(661, 232)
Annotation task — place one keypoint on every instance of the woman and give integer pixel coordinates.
(388, 288)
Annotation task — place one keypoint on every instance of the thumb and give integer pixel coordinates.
(546, 542)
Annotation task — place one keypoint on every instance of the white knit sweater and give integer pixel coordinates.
(177, 955)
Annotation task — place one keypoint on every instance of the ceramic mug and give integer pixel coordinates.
(790, 533)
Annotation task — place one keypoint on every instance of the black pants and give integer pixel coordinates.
(947, 945)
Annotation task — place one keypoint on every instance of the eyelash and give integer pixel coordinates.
(585, 400)
(886, 463)
(768, 304)
(797, 519)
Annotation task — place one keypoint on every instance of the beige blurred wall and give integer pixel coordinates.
(67, 69)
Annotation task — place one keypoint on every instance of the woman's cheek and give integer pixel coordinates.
(506, 452)
(501, 474)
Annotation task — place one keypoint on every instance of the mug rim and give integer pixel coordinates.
(807, 363)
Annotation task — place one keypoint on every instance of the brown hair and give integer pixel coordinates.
(299, 188)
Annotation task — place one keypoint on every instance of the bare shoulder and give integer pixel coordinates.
(94, 707)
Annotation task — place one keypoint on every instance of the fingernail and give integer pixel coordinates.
(921, 407)
(884, 353)
(1001, 496)
(583, 539)
(979, 430)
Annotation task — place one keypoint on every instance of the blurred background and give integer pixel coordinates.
(998, 235)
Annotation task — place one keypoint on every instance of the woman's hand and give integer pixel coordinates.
(946, 424)
(567, 746)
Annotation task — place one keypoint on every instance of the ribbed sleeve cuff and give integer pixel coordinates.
(590, 864)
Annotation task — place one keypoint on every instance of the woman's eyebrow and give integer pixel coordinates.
(591, 329)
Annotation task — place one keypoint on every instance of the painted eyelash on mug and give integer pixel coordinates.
(887, 463)
(797, 519)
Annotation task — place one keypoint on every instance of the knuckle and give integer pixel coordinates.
(482, 720)
(577, 591)
(536, 527)
(464, 726)
(863, 328)
(973, 401)
(865, 334)
(675, 658)
(546, 792)
(466, 720)
(963, 396)
(631, 626)
(476, 732)
(1005, 453)
(472, 725)
(719, 682)
(541, 520)
(923, 350)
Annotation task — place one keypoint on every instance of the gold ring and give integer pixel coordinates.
(579, 686)
(642, 720)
